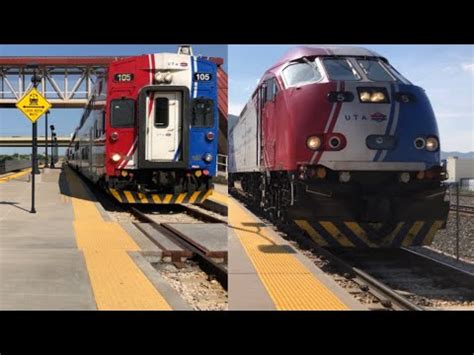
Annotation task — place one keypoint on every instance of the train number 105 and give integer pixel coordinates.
(123, 77)
(202, 76)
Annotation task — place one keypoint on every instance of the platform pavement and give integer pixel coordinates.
(267, 273)
(41, 265)
(221, 189)
(217, 201)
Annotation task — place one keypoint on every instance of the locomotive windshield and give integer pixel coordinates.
(374, 70)
(300, 73)
(340, 69)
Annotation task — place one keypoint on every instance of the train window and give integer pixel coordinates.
(161, 112)
(272, 89)
(203, 113)
(340, 69)
(263, 93)
(269, 85)
(301, 73)
(374, 70)
(103, 122)
(122, 113)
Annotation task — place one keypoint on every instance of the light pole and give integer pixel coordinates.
(35, 79)
(56, 154)
(53, 134)
(46, 139)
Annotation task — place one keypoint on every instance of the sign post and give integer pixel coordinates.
(46, 139)
(33, 105)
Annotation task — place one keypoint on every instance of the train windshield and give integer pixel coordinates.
(301, 73)
(122, 113)
(340, 69)
(374, 70)
(203, 113)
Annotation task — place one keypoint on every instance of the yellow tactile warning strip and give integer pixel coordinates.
(218, 197)
(117, 282)
(289, 283)
(14, 176)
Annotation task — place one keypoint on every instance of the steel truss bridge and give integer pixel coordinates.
(67, 82)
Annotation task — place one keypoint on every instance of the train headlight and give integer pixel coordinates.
(114, 136)
(372, 94)
(432, 144)
(313, 142)
(159, 77)
(168, 77)
(377, 96)
(404, 177)
(420, 143)
(210, 136)
(207, 157)
(364, 96)
(405, 97)
(116, 157)
(335, 142)
(344, 176)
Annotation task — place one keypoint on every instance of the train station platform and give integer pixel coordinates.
(218, 200)
(71, 254)
(14, 175)
(267, 273)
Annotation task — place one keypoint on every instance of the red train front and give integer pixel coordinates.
(149, 133)
(337, 141)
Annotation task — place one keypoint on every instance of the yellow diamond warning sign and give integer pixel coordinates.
(33, 105)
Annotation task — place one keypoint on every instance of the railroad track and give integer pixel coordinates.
(206, 261)
(363, 284)
(420, 280)
(398, 279)
(466, 209)
(214, 269)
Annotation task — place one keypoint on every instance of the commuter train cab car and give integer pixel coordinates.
(149, 132)
(338, 142)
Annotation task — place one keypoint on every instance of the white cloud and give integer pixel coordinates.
(469, 67)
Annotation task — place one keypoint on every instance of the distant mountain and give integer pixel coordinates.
(460, 155)
(231, 121)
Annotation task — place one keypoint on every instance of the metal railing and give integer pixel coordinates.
(222, 165)
(455, 191)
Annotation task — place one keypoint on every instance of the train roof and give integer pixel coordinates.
(312, 51)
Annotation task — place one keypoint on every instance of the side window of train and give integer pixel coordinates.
(271, 89)
(103, 122)
(122, 113)
(202, 113)
(269, 86)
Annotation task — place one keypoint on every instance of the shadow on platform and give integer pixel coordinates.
(14, 204)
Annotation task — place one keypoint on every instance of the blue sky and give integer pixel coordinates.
(446, 72)
(12, 121)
